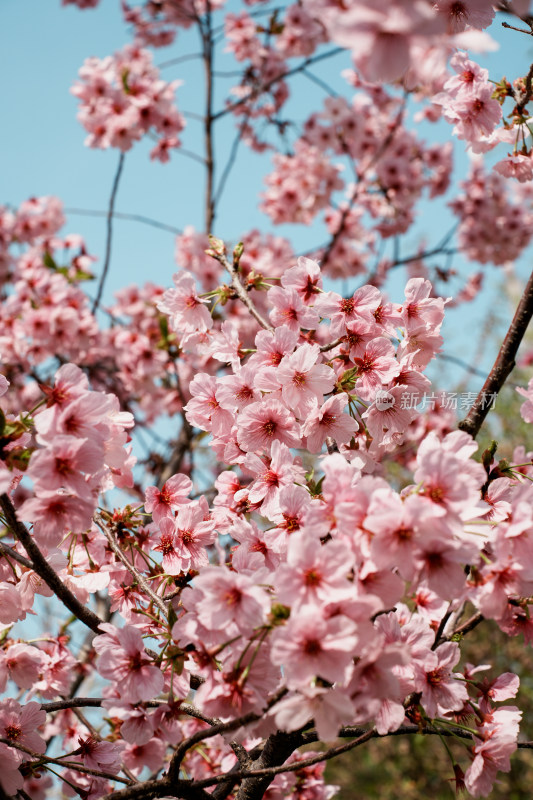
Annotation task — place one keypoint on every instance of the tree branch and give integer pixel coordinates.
(145, 586)
(230, 162)
(504, 364)
(381, 150)
(86, 212)
(207, 47)
(72, 702)
(240, 291)
(7, 552)
(266, 86)
(61, 763)
(107, 259)
(41, 566)
(141, 791)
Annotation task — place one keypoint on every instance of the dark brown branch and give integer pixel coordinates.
(440, 630)
(332, 345)
(525, 96)
(469, 625)
(199, 736)
(504, 364)
(308, 762)
(331, 445)
(276, 751)
(41, 566)
(62, 762)
(270, 763)
(141, 791)
(7, 552)
(72, 702)
(107, 258)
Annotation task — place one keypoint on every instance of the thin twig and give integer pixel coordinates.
(380, 151)
(266, 86)
(241, 292)
(520, 30)
(460, 363)
(85, 212)
(230, 162)
(503, 365)
(332, 345)
(107, 259)
(62, 763)
(8, 552)
(440, 630)
(41, 566)
(468, 626)
(199, 736)
(192, 155)
(179, 60)
(207, 48)
(319, 82)
(145, 586)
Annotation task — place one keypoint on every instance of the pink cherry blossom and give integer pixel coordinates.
(313, 573)
(186, 310)
(19, 723)
(308, 646)
(173, 494)
(260, 424)
(230, 598)
(289, 309)
(122, 659)
(328, 420)
(302, 379)
(183, 541)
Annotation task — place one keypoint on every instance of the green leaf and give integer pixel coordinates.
(124, 79)
(49, 262)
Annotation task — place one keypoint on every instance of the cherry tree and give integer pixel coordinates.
(208, 561)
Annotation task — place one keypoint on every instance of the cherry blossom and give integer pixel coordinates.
(206, 566)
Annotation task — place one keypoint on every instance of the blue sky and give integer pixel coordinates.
(42, 46)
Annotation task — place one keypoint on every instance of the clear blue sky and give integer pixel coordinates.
(42, 46)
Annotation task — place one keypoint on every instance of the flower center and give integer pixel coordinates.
(12, 731)
(269, 428)
(312, 578)
(233, 596)
(312, 647)
(347, 306)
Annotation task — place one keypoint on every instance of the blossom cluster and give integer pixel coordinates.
(122, 98)
(492, 228)
(296, 561)
(308, 568)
